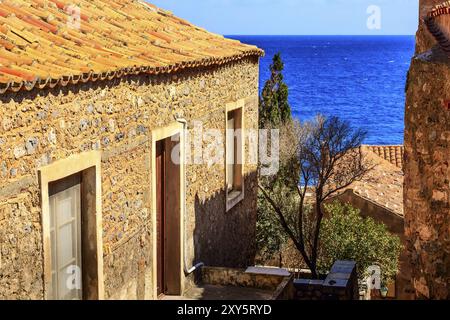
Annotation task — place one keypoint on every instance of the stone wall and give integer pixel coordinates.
(340, 284)
(427, 174)
(279, 281)
(240, 278)
(427, 152)
(43, 126)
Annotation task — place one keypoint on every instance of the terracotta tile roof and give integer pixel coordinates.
(383, 185)
(438, 22)
(393, 154)
(440, 9)
(44, 43)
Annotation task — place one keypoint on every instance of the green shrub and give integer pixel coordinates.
(346, 235)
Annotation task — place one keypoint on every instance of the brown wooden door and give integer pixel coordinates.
(160, 214)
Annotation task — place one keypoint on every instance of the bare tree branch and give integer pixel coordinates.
(286, 227)
(325, 156)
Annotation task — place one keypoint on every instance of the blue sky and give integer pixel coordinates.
(296, 17)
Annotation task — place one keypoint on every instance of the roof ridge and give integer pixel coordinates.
(388, 154)
(154, 8)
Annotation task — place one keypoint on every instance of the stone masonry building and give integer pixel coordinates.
(427, 154)
(94, 100)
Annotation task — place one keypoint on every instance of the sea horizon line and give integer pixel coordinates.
(318, 35)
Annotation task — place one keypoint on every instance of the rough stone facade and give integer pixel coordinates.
(427, 171)
(43, 126)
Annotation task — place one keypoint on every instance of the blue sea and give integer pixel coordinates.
(359, 78)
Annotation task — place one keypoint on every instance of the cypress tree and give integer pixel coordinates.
(274, 108)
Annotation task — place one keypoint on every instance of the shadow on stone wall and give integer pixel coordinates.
(226, 239)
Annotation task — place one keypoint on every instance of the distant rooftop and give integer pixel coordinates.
(383, 185)
(393, 154)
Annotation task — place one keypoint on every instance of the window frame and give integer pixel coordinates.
(56, 171)
(233, 197)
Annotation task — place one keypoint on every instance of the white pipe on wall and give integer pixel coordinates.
(187, 270)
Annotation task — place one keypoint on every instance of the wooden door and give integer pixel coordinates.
(160, 214)
(65, 233)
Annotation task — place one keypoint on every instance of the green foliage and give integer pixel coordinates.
(270, 236)
(346, 235)
(274, 108)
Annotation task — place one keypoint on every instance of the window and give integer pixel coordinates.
(234, 156)
(231, 149)
(65, 234)
(72, 228)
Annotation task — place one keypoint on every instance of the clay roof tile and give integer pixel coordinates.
(45, 42)
(387, 173)
(437, 22)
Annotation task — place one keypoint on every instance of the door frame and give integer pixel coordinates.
(157, 135)
(57, 171)
(161, 217)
